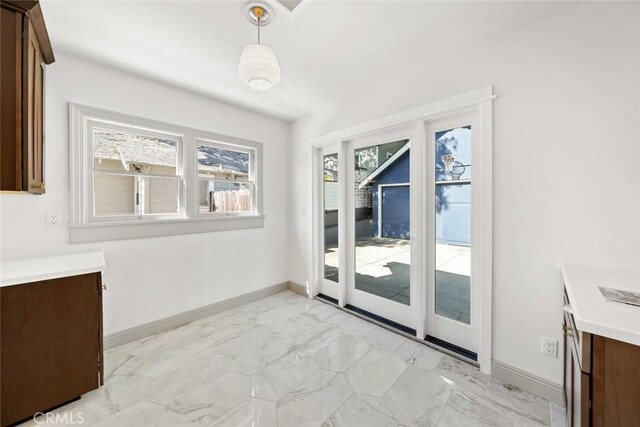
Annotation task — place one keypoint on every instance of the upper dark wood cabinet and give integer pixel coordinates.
(25, 49)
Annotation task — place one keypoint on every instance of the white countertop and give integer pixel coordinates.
(592, 312)
(27, 270)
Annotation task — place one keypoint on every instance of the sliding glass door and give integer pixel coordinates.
(451, 296)
(398, 226)
(330, 194)
(380, 207)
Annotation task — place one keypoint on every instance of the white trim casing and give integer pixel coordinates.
(430, 110)
(486, 244)
(85, 228)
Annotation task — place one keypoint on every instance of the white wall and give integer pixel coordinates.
(149, 279)
(566, 159)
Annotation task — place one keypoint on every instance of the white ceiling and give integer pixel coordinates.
(327, 50)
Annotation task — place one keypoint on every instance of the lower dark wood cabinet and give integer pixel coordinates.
(601, 378)
(50, 344)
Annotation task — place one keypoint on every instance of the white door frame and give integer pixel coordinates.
(481, 100)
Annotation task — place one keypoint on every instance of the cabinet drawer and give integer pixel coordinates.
(580, 341)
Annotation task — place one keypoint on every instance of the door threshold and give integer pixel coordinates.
(380, 319)
(452, 347)
(327, 298)
(432, 342)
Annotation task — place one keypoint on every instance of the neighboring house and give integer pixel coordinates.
(389, 184)
(390, 190)
(120, 152)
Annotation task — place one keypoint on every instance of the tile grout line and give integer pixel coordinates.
(445, 407)
(342, 404)
(302, 330)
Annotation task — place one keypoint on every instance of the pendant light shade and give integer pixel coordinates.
(259, 67)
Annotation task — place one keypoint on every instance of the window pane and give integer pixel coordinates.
(222, 163)
(331, 199)
(114, 195)
(115, 150)
(160, 195)
(453, 154)
(382, 232)
(225, 196)
(453, 224)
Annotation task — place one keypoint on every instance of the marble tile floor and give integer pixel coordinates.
(286, 360)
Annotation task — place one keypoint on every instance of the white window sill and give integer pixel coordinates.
(122, 230)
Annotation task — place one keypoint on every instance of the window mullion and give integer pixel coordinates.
(139, 196)
(190, 177)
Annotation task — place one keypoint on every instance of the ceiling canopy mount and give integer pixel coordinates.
(258, 13)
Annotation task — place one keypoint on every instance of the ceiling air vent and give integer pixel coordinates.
(290, 4)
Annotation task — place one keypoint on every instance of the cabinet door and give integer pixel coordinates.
(616, 379)
(577, 391)
(33, 164)
(50, 353)
(11, 100)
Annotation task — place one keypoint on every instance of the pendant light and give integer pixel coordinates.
(258, 65)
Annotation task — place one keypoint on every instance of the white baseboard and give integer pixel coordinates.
(510, 375)
(181, 319)
(298, 288)
(533, 384)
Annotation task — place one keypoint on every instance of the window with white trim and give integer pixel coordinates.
(127, 171)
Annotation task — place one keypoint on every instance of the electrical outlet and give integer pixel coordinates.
(549, 347)
(54, 219)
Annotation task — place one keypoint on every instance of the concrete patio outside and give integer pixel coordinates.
(383, 266)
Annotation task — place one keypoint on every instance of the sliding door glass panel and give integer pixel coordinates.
(331, 190)
(453, 224)
(382, 206)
